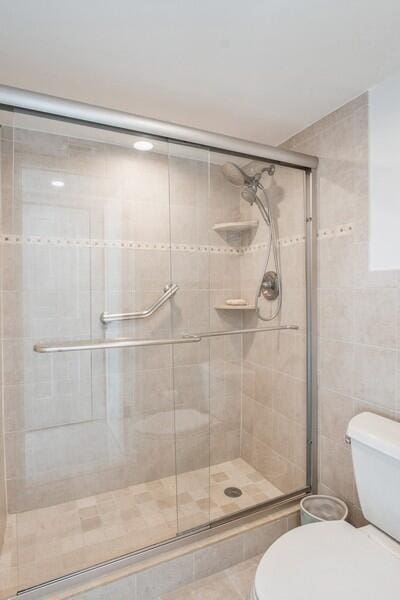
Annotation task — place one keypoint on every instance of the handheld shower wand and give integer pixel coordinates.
(270, 286)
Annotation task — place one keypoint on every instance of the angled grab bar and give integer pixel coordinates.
(79, 345)
(169, 291)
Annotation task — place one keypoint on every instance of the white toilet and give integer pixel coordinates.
(334, 560)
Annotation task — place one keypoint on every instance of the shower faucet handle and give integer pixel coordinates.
(270, 285)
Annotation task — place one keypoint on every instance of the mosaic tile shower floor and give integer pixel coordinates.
(46, 543)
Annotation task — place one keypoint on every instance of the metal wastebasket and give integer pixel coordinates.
(317, 507)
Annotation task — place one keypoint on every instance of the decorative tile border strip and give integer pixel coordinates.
(335, 231)
(290, 241)
(99, 243)
(338, 231)
(212, 249)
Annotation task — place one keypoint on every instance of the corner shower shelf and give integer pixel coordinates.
(237, 307)
(235, 226)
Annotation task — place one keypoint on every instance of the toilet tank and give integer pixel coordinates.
(375, 448)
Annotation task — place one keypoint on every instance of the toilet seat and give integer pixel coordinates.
(329, 560)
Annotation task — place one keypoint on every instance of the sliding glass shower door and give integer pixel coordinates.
(91, 449)
(144, 395)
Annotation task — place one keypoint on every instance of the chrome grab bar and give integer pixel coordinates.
(169, 291)
(133, 343)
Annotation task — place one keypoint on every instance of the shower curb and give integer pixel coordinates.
(148, 578)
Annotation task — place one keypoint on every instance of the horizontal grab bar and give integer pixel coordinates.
(133, 343)
(169, 291)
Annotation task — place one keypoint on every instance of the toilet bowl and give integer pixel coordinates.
(334, 560)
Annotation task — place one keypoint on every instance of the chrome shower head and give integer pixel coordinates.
(240, 177)
(249, 184)
(235, 174)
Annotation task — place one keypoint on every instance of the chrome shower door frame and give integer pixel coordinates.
(311, 191)
(17, 100)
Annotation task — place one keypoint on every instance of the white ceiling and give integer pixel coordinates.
(257, 69)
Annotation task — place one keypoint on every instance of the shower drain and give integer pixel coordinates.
(233, 492)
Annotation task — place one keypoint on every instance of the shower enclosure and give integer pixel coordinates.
(140, 406)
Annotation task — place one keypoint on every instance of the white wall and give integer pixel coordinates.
(384, 158)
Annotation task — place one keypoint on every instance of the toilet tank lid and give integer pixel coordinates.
(376, 432)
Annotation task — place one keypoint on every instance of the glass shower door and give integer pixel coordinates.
(258, 408)
(90, 440)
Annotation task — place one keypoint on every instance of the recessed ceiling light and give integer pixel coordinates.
(143, 145)
(57, 183)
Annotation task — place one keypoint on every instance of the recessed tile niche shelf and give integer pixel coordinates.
(236, 307)
(236, 226)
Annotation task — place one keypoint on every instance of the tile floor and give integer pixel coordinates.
(46, 543)
(232, 584)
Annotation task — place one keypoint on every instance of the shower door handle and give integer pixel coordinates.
(169, 291)
(79, 345)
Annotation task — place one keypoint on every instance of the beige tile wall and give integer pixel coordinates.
(358, 309)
